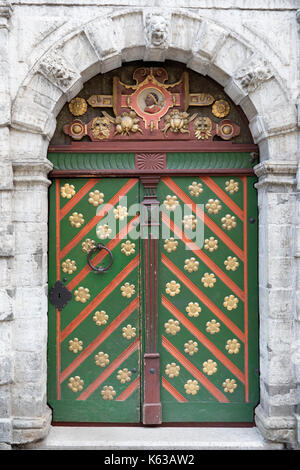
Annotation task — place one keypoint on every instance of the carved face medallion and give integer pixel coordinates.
(100, 128)
(203, 127)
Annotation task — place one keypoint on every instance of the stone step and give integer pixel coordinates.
(163, 438)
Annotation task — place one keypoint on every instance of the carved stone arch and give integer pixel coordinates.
(204, 46)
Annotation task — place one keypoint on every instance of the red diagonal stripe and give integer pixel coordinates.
(204, 217)
(202, 338)
(129, 390)
(201, 255)
(103, 253)
(198, 293)
(246, 319)
(109, 370)
(100, 297)
(194, 371)
(102, 337)
(86, 229)
(223, 196)
(78, 196)
(172, 390)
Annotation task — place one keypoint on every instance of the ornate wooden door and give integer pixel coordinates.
(94, 337)
(170, 328)
(168, 332)
(208, 298)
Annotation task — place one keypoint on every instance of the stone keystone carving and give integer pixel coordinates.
(157, 30)
(57, 70)
(254, 73)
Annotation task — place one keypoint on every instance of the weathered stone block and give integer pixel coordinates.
(103, 37)
(6, 370)
(30, 366)
(129, 29)
(281, 240)
(31, 301)
(44, 93)
(231, 54)
(5, 107)
(5, 405)
(32, 428)
(7, 240)
(4, 272)
(277, 208)
(31, 117)
(30, 269)
(5, 337)
(209, 39)
(30, 334)
(198, 64)
(257, 128)
(31, 238)
(28, 399)
(184, 31)
(6, 310)
(279, 429)
(4, 446)
(281, 147)
(277, 369)
(235, 91)
(281, 272)
(5, 430)
(27, 147)
(277, 303)
(280, 336)
(79, 51)
(30, 206)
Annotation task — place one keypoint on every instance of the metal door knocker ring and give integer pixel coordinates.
(101, 269)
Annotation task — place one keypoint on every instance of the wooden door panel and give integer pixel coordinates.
(208, 323)
(94, 345)
(207, 316)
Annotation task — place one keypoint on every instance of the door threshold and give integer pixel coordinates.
(162, 425)
(153, 438)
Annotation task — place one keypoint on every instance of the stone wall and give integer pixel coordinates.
(48, 50)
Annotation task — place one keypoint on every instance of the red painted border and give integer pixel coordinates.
(246, 290)
(152, 146)
(138, 173)
(58, 325)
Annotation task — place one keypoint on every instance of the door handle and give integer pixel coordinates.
(100, 269)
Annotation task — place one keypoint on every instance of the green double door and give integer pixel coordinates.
(191, 284)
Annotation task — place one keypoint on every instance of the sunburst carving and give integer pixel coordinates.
(150, 161)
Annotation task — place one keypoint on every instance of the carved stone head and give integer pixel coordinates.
(100, 128)
(254, 73)
(156, 29)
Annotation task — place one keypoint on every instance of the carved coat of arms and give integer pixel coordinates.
(152, 108)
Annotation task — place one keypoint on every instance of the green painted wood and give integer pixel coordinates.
(204, 406)
(125, 161)
(91, 161)
(190, 160)
(67, 404)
